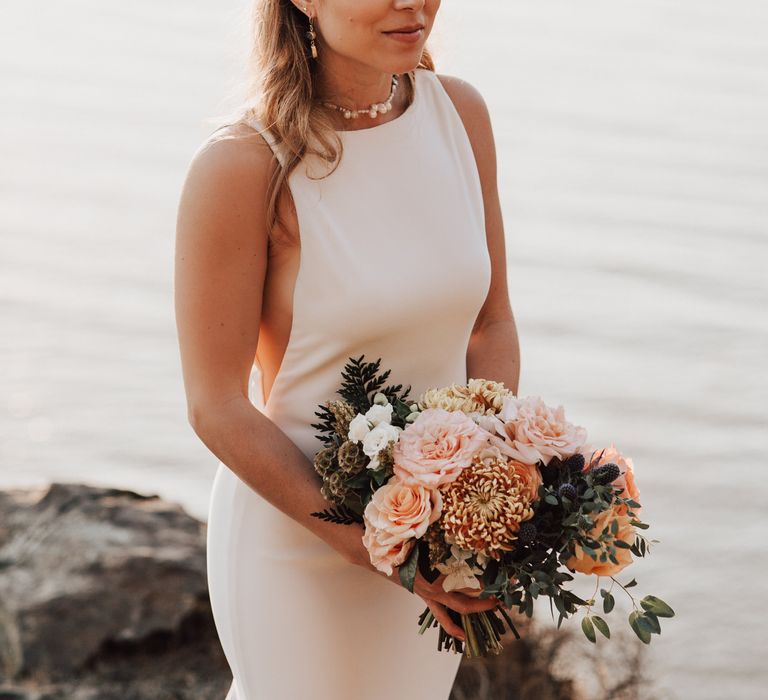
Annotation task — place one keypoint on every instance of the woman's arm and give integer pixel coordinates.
(220, 268)
(494, 348)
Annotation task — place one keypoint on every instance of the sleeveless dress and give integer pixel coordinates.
(393, 264)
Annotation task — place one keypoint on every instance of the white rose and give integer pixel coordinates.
(379, 414)
(377, 438)
(358, 428)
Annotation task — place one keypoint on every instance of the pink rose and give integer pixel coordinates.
(582, 562)
(531, 431)
(397, 514)
(627, 478)
(434, 449)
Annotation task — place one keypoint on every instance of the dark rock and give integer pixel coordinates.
(103, 593)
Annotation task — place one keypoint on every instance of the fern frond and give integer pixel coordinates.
(326, 427)
(361, 381)
(341, 515)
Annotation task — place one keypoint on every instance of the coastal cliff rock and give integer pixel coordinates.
(103, 596)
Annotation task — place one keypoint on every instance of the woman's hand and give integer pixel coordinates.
(462, 600)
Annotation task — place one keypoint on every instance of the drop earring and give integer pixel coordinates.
(311, 35)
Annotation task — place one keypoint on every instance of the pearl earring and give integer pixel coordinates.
(311, 35)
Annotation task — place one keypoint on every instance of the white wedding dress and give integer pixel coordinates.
(394, 264)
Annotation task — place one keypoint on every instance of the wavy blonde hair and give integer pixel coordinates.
(280, 91)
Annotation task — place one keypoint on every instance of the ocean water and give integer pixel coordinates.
(632, 148)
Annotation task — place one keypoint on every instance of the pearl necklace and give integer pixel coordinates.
(374, 110)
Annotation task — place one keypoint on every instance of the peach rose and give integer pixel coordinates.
(627, 478)
(531, 431)
(582, 562)
(434, 449)
(385, 556)
(397, 514)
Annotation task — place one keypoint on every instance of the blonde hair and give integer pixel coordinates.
(279, 92)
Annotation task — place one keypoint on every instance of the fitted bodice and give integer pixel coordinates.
(393, 260)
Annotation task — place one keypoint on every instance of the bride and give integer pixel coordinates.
(350, 208)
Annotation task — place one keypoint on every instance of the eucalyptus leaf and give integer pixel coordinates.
(653, 622)
(602, 625)
(657, 606)
(589, 630)
(639, 627)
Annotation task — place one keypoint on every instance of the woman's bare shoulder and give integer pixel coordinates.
(223, 197)
(234, 150)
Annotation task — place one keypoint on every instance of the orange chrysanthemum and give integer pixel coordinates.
(484, 506)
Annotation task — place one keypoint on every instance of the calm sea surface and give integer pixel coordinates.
(632, 143)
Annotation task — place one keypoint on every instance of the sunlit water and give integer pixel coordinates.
(632, 144)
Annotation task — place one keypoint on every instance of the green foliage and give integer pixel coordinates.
(640, 626)
(326, 427)
(602, 625)
(341, 515)
(657, 606)
(608, 600)
(653, 622)
(589, 629)
(362, 380)
(408, 568)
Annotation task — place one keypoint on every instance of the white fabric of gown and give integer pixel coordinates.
(393, 264)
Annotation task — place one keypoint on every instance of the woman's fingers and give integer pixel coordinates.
(441, 615)
(464, 603)
(456, 599)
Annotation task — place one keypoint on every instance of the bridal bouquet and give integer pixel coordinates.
(499, 493)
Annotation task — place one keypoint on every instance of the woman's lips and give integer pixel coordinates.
(407, 37)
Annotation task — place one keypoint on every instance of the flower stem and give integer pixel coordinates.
(472, 644)
(632, 598)
(427, 622)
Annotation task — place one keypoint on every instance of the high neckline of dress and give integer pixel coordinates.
(396, 123)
